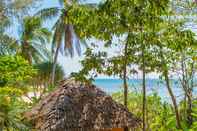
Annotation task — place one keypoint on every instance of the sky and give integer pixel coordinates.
(71, 64)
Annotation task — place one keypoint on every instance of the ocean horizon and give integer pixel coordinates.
(158, 86)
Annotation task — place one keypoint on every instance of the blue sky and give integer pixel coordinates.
(70, 64)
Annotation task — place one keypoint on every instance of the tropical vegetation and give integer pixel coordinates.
(151, 36)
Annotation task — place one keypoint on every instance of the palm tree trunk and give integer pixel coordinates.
(29, 58)
(26, 53)
(54, 65)
(143, 90)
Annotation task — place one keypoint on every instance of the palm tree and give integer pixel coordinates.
(33, 40)
(5, 40)
(8, 11)
(8, 45)
(44, 72)
(41, 80)
(65, 39)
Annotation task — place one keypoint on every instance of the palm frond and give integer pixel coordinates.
(48, 13)
(68, 36)
(30, 24)
(61, 2)
(42, 49)
(39, 39)
(37, 58)
(77, 45)
(37, 55)
(56, 24)
(43, 33)
(8, 45)
(44, 70)
(32, 34)
(69, 40)
(57, 37)
(4, 22)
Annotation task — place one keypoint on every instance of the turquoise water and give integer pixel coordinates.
(153, 85)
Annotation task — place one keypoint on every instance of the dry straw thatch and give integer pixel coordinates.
(75, 106)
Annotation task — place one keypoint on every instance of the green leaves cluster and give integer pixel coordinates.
(160, 114)
(153, 40)
(14, 69)
(14, 72)
(94, 62)
(11, 109)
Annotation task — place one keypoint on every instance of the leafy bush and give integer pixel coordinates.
(14, 70)
(11, 109)
(160, 115)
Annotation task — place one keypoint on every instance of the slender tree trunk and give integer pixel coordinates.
(178, 123)
(184, 82)
(187, 88)
(144, 124)
(54, 65)
(190, 89)
(189, 109)
(185, 106)
(125, 90)
(166, 75)
(125, 78)
(144, 90)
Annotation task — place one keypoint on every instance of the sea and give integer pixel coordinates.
(158, 86)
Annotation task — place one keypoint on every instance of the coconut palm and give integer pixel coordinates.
(5, 40)
(44, 72)
(8, 11)
(8, 45)
(65, 40)
(33, 40)
(41, 81)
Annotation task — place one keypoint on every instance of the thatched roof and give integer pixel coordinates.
(75, 106)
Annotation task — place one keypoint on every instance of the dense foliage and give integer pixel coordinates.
(15, 72)
(159, 113)
(152, 36)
